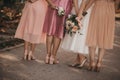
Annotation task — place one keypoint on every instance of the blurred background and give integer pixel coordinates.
(10, 13)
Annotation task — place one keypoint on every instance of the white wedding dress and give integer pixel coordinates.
(76, 42)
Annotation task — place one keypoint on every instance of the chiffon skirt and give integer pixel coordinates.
(31, 23)
(101, 25)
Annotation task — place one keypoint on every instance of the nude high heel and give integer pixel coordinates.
(25, 55)
(91, 67)
(47, 59)
(83, 62)
(53, 60)
(30, 55)
(98, 67)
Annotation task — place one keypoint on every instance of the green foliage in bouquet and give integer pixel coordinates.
(71, 25)
(72, 18)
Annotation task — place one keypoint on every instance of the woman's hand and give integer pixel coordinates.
(79, 18)
(53, 6)
(79, 21)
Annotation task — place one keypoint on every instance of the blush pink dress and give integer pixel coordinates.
(102, 25)
(31, 23)
(54, 24)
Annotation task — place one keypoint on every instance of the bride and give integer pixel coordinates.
(76, 42)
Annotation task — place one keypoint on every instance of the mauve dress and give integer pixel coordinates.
(102, 25)
(54, 24)
(31, 23)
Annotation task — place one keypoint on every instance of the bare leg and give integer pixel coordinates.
(31, 52)
(77, 59)
(82, 60)
(49, 42)
(100, 57)
(26, 49)
(26, 45)
(56, 44)
(92, 57)
(76, 62)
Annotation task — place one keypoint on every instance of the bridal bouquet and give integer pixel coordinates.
(72, 26)
(61, 11)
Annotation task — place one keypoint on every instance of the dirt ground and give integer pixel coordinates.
(13, 67)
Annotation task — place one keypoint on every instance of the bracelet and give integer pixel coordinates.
(84, 13)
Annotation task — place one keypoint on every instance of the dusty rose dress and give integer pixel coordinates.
(102, 24)
(31, 23)
(54, 24)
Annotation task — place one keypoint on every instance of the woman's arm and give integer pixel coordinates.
(51, 4)
(82, 6)
(89, 4)
(75, 3)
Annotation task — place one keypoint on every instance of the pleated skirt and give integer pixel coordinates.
(101, 25)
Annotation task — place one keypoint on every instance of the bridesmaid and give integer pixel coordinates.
(30, 26)
(100, 30)
(54, 27)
